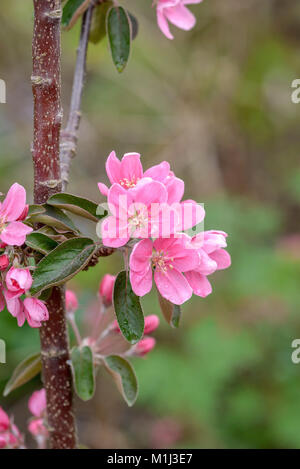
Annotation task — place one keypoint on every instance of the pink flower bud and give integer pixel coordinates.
(18, 281)
(37, 403)
(4, 421)
(35, 311)
(24, 213)
(151, 323)
(4, 262)
(71, 301)
(37, 428)
(106, 289)
(144, 346)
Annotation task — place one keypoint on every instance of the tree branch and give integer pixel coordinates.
(69, 135)
(46, 86)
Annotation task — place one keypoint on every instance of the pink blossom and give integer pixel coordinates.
(4, 421)
(35, 312)
(37, 403)
(15, 307)
(212, 257)
(71, 302)
(106, 288)
(144, 346)
(4, 262)
(169, 257)
(12, 231)
(2, 301)
(37, 428)
(134, 214)
(18, 281)
(151, 323)
(176, 12)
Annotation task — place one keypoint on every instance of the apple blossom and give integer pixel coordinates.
(12, 231)
(144, 346)
(176, 12)
(35, 312)
(106, 289)
(18, 281)
(4, 262)
(71, 302)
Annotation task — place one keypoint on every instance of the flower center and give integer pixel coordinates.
(138, 220)
(129, 184)
(161, 261)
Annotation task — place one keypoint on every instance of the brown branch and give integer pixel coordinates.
(69, 135)
(47, 181)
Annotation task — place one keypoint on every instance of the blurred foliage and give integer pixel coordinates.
(216, 103)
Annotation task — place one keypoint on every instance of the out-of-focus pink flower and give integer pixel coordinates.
(4, 262)
(37, 403)
(35, 312)
(212, 256)
(71, 301)
(18, 281)
(4, 421)
(37, 428)
(151, 323)
(2, 301)
(12, 231)
(106, 288)
(144, 346)
(176, 12)
(169, 257)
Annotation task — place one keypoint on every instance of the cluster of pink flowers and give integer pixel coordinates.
(148, 206)
(175, 12)
(10, 436)
(15, 278)
(104, 336)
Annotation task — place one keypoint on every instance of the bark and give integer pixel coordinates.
(47, 181)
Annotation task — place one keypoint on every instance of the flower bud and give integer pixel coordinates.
(35, 311)
(37, 428)
(106, 289)
(18, 281)
(37, 403)
(144, 346)
(4, 262)
(151, 323)
(71, 302)
(4, 421)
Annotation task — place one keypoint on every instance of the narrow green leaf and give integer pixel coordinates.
(78, 205)
(61, 264)
(171, 312)
(128, 309)
(40, 242)
(72, 10)
(25, 371)
(119, 36)
(83, 371)
(53, 216)
(124, 376)
(35, 210)
(98, 26)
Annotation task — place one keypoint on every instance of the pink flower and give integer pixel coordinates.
(71, 302)
(129, 171)
(12, 231)
(18, 281)
(37, 403)
(4, 421)
(135, 214)
(176, 12)
(4, 262)
(144, 346)
(212, 257)
(35, 312)
(169, 257)
(106, 288)
(37, 428)
(151, 323)
(15, 307)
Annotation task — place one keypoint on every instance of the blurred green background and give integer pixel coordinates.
(216, 103)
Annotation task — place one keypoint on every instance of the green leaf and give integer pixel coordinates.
(53, 216)
(98, 26)
(124, 376)
(119, 36)
(134, 25)
(83, 371)
(128, 309)
(72, 11)
(25, 371)
(61, 264)
(40, 242)
(35, 210)
(78, 205)
(171, 312)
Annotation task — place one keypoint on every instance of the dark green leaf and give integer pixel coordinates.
(78, 205)
(134, 25)
(24, 372)
(35, 210)
(170, 311)
(98, 26)
(54, 217)
(40, 242)
(128, 309)
(119, 36)
(124, 376)
(72, 10)
(61, 264)
(83, 370)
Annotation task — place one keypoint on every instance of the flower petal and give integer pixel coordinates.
(163, 24)
(14, 203)
(199, 283)
(222, 258)
(15, 233)
(141, 282)
(114, 233)
(103, 188)
(131, 167)
(140, 256)
(158, 172)
(113, 168)
(175, 188)
(181, 17)
(173, 286)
